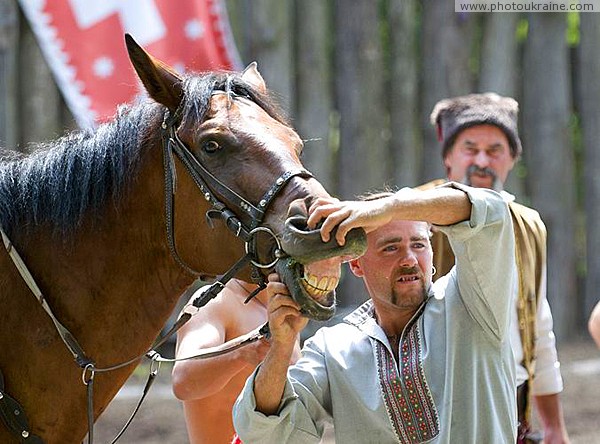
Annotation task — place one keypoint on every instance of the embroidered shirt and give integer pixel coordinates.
(455, 381)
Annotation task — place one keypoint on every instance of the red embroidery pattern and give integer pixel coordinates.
(407, 397)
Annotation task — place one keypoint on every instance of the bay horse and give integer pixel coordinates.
(86, 213)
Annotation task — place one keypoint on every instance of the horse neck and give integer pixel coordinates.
(115, 280)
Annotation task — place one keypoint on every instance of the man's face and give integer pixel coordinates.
(480, 157)
(397, 266)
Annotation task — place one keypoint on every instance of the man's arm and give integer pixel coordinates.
(439, 206)
(551, 415)
(594, 324)
(199, 378)
(547, 381)
(285, 324)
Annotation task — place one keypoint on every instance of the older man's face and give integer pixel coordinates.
(480, 157)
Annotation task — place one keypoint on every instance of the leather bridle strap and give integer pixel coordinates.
(214, 191)
(66, 336)
(257, 334)
(14, 418)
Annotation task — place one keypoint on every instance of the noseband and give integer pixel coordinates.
(216, 192)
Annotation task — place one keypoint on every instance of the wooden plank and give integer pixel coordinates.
(589, 105)
(548, 150)
(314, 112)
(406, 142)
(40, 102)
(9, 31)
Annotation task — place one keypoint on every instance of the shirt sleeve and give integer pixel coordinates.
(484, 248)
(548, 380)
(301, 417)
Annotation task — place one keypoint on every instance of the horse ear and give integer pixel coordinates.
(253, 77)
(160, 80)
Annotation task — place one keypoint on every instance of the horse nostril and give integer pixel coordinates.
(305, 245)
(299, 224)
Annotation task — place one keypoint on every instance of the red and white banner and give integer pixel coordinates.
(83, 42)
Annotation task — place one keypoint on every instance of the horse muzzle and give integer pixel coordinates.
(311, 268)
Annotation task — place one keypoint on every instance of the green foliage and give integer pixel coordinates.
(572, 33)
(522, 30)
(579, 155)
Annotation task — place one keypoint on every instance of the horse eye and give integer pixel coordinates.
(210, 146)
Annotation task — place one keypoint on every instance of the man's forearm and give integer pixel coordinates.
(439, 206)
(551, 416)
(195, 379)
(594, 324)
(270, 380)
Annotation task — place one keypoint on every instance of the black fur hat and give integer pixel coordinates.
(451, 116)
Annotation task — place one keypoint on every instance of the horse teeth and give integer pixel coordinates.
(323, 283)
(333, 282)
(317, 287)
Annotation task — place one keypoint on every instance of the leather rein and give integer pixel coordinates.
(214, 191)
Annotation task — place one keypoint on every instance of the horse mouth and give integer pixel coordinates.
(311, 268)
(319, 288)
(314, 292)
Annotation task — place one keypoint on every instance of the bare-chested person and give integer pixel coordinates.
(209, 387)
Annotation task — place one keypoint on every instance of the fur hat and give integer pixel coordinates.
(451, 116)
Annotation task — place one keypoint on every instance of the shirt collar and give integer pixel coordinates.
(363, 317)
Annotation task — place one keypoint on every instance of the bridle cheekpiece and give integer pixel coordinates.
(216, 192)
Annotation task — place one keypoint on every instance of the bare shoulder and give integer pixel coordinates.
(215, 312)
(228, 309)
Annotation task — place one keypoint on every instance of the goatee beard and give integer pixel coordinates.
(395, 296)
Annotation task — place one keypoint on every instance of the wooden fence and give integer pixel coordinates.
(359, 79)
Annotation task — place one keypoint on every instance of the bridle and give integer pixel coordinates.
(215, 192)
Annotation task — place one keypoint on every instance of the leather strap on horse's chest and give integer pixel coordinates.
(69, 340)
(14, 418)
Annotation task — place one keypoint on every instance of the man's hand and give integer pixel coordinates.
(285, 319)
(347, 215)
(439, 206)
(285, 324)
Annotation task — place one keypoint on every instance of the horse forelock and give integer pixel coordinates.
(199, 89)
(63, 179)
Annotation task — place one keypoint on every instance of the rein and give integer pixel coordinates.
(211, 188)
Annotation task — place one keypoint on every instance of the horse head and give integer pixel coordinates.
(245, 159)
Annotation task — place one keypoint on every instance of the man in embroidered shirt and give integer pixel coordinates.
(480, 144)
(418, 361)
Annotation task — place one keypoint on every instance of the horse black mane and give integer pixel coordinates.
(62, 180)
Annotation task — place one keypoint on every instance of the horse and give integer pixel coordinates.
(112, 226)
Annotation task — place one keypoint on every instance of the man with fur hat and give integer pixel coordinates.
(480, 146)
